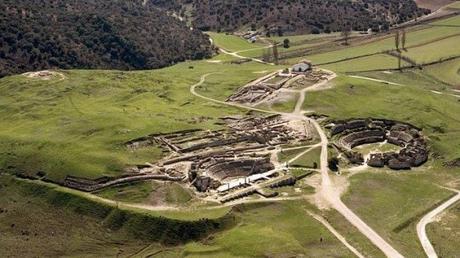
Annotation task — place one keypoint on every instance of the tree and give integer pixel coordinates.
(346, 31)
(333, 164)
(267, 55)
(275, 52)
(403, 39)
(286, 43)
(397, 40)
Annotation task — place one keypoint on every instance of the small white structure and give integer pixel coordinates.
(252, 39)
(302, 67)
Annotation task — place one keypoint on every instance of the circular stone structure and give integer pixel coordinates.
(349, 134)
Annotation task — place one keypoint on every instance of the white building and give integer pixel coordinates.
(302, 67)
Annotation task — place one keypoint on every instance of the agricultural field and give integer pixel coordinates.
(447, 72)
(374, 62)
(232, 43)
(455, 5)
(437, 51)
(416, 37)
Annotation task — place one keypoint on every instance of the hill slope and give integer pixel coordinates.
(294, 15)
(93, 34)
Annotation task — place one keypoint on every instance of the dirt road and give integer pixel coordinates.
(235, 54)
(430, 217)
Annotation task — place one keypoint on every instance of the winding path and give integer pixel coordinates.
(328, 191)
(430, 217)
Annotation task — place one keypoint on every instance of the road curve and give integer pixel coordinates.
(328, 192)
(427, 219)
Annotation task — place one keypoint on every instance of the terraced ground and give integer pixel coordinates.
(77, 126)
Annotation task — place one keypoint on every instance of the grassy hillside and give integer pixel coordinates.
(52, 221)
(77, 126)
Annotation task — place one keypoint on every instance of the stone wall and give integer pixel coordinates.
(356, 132)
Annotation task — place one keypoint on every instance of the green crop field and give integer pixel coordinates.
(447, 72)
(375, 62)
(422, 35)
(232, 43)
(453, 21)
(435, 51)
(455, 5)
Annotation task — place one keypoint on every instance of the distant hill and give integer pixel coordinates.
(293, 16)
(107, 34)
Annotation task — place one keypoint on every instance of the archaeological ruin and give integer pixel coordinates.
(349, 134)
(225, 164)
(266, 87)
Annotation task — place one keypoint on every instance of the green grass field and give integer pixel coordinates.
(435, 51)
(78, 126)
(455, 5)
(232, 43)
(445, 232)
(392, 203)
(414, 38)
(272, 230)
(375, 62)
(447, 72)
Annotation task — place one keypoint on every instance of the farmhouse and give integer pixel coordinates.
(302, 67)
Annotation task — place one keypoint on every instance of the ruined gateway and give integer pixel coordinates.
(355, 132)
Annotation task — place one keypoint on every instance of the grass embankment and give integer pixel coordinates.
(77, 126)
(272, 230)
(150, 193)
(52, 221)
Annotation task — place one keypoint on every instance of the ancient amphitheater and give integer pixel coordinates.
(349, 134)
(225, 164)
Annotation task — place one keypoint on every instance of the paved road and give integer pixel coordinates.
(328, 191)
(427, 219)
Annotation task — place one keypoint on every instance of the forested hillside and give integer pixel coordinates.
(108, 34)
(293, 16)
